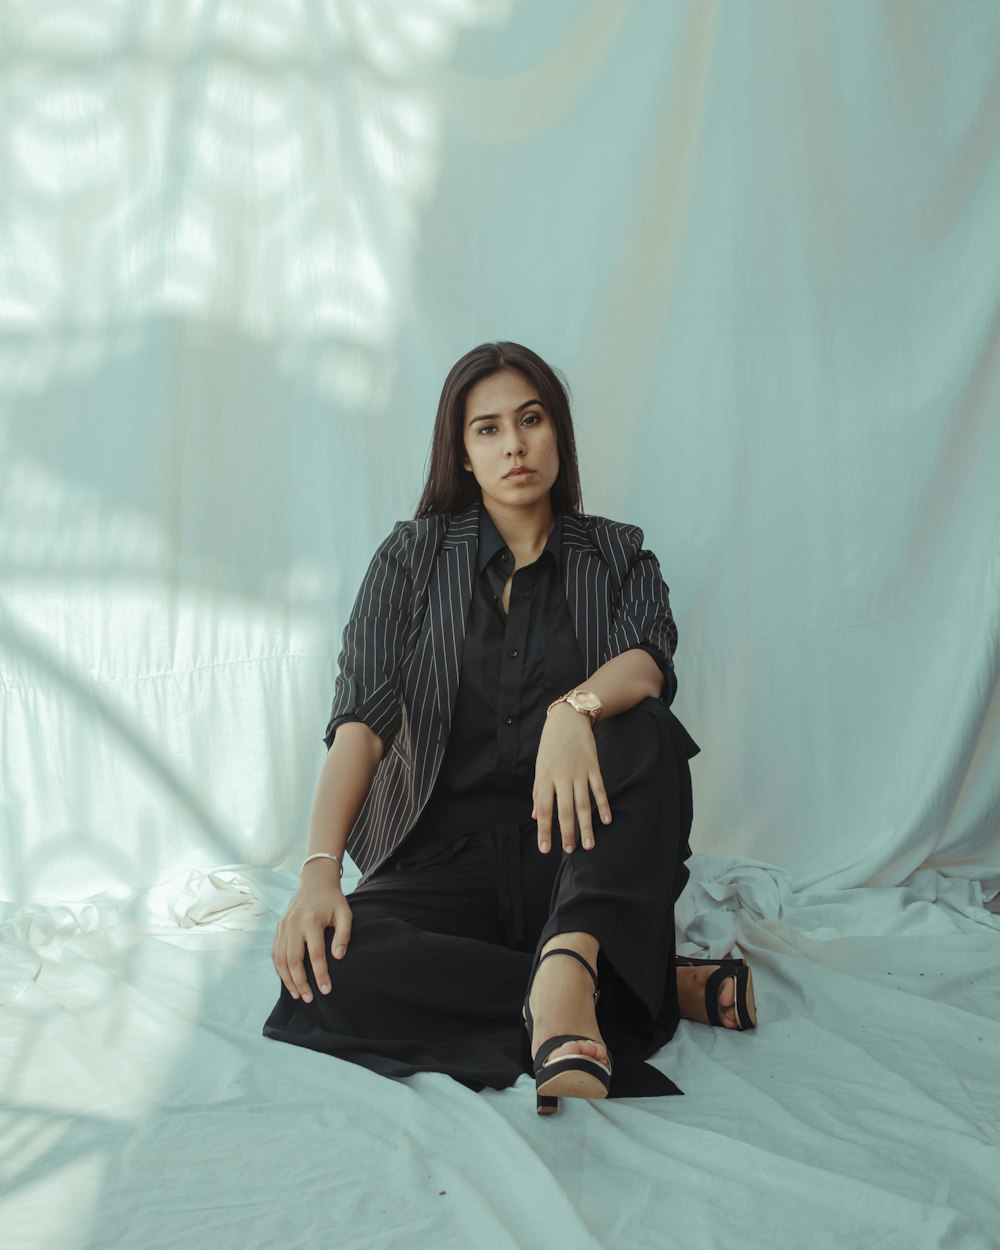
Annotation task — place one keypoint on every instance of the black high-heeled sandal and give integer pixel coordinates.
(745, 1003)
(569, 1076)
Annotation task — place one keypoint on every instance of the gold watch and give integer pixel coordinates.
(584, 701)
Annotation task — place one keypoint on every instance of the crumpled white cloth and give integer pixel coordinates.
(722, 892)
(230, 897)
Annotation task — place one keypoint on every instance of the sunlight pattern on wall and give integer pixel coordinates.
(263, 165)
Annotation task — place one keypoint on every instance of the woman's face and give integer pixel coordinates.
(510, 442)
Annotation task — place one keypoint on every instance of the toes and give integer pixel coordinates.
(593, 1049)
(729, 1016)
(727, 1002)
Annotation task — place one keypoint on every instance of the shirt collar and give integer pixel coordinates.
(491, 541)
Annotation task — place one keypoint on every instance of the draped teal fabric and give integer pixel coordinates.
(241, 242)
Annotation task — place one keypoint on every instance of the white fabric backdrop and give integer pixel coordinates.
(240, 245)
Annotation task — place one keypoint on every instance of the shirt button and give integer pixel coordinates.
(513, 653)
(508, 720)
(504, 556)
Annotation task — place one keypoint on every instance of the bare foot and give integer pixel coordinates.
(562, 1000)
(691, 995)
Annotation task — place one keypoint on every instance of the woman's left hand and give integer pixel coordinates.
(567, 769)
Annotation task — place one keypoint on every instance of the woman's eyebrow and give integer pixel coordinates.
(495, 416)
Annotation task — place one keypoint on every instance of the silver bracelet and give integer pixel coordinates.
(322, 855)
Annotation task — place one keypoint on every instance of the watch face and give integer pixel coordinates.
(587, 700)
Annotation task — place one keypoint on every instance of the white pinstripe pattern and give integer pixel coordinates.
(402, 648)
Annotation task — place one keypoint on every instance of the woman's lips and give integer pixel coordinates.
(518, 475)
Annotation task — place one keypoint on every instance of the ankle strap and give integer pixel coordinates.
(564, 950)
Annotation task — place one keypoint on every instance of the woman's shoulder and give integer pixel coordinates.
(412, 545)
(411, 527)
(602, 529)
(420, 533)
(415, 529)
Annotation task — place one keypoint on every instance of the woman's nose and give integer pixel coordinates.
(515, 441)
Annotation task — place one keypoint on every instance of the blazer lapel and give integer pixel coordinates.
(585, 577)
(449, 594)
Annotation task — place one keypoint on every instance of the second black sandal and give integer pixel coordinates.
(739, 970)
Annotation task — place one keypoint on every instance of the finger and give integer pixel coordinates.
(281, 968)
(567, 821)
(297, 971)
(600, 796)
(279, 958)
(543, 814)
(316, 946)
(343, 920)
(582, 796)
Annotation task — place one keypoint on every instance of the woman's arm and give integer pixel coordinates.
(344, 782)
(364, 718)
(320, 902)
(367, 686)
(623, 682)
(567, 768)
(641, 615)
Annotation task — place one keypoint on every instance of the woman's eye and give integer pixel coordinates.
(531, 418)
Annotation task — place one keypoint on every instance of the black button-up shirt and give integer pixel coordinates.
(513, 665)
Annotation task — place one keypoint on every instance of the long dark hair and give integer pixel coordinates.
(449, 486)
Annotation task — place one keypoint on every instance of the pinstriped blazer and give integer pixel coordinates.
(402, 647)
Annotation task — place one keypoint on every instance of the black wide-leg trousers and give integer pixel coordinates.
(441, 953)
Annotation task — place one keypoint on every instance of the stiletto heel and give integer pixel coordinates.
(742, 974)
(569, 1076)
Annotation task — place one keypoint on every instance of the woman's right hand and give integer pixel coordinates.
(319, 904)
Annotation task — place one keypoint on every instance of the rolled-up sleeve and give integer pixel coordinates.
(367, 686)
(642, 617)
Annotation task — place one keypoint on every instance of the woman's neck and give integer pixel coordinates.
(524, 530)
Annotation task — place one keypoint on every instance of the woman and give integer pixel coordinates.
(504, 769)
